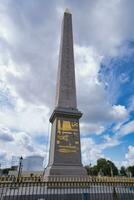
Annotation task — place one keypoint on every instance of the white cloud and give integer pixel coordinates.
(109, 142)
(130, 155)
(119, 112)
(32, 119)
(2, 154)
(90, 151)
(91, 128)
(5, 135)
(126, 129)
(131, 104)
(87, 63)
(92, 96)
(100, 25)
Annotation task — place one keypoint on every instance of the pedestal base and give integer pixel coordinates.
(65, 171)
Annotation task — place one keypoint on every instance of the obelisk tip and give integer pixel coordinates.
(67, 11)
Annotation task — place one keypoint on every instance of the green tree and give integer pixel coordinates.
(92, 171)
(123, 171)
(131, 170)
(113, 168)
(87, 168)
(103, 166)
(6, 171)
(107, 167)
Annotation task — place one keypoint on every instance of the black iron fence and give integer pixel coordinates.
(67, 188)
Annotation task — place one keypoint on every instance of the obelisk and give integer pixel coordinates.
(65, 149)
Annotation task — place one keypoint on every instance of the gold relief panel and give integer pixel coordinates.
(67, 126)
(67, 136)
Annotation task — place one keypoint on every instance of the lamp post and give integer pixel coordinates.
(20, 167)
(111, 169)
(0, 170)
(90, 173)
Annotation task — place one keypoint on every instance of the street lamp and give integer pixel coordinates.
(0, 170)
(20, 167)
(111, 170)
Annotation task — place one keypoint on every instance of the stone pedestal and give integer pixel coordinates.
(65, 149)
(65, 170)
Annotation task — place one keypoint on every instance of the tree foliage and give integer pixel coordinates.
(103, 167)
(123, 171)
(131, 170)
(108, 168)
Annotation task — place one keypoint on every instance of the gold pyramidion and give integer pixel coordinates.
(67, 11)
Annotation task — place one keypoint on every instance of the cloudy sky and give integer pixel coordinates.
(104, 47)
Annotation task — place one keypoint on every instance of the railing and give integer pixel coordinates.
(67, 188)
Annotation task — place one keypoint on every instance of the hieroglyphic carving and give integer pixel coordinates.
(67, 137)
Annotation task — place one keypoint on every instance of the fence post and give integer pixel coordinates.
(85, 196)
(115, 195)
